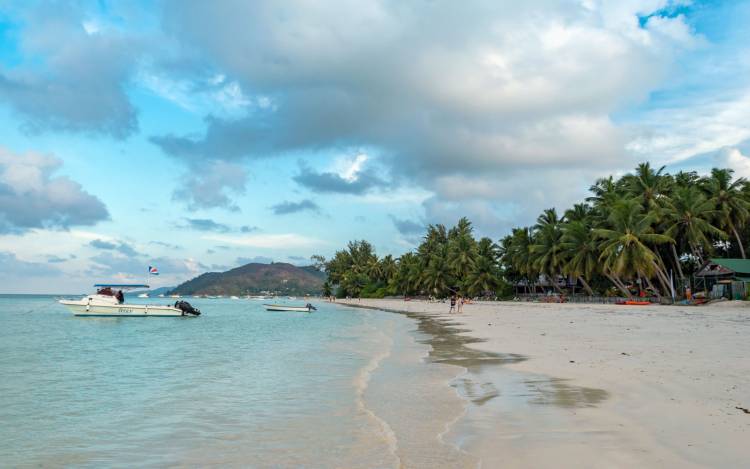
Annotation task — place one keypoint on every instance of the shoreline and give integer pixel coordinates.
(595, 384)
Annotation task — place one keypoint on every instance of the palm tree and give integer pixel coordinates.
(462, 250)
(625, 250)
(648, 185)
(485, 276)
(517, 256)
(547, 250)
(579, 212)
(581, 251)
(728, 200)
(688, 217)
(388, 268)
(436, 278)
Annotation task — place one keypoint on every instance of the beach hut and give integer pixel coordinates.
(724, 278)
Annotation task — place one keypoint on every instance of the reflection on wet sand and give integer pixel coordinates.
(555, 391)
(449, 346)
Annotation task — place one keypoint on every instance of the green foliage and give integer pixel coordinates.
(630, 231)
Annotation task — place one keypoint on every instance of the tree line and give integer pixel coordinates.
(645, 231)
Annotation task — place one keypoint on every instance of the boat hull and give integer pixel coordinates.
(123, 310)
(298, 309)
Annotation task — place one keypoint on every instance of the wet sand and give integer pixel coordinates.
(549, 385)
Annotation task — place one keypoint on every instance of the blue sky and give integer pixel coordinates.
(197, 136)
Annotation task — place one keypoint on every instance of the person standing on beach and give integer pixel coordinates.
(460, 304)
(453, 304)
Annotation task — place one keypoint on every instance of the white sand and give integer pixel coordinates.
(673, 377)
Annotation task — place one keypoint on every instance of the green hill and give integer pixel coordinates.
(279, 278)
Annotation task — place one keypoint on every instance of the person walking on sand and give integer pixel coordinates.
(453, 304)
(460, 304)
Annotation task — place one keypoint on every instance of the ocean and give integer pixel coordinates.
(237, 386)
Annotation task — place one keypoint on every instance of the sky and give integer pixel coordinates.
(198, 136)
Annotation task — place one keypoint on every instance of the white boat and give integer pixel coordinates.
(106, 303)
(302, 309)
(233, 297)
(143, 295)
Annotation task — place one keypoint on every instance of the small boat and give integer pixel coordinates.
(143, 295)
(106, 303)
(301, 309)
(634, 303)
(233, 297)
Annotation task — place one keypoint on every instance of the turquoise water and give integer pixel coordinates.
(237, 386)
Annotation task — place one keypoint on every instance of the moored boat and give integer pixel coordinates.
(106, 303)
(302, 309)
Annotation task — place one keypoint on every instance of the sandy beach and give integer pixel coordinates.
(584, 385)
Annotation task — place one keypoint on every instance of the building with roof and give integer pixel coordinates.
(724, 278)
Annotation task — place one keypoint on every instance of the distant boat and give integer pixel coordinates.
(301, 309)
(105, 302)
(143, 295)
(234, 297)
(175, 296)
(160, 295)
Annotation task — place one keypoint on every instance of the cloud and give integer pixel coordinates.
(439, 90)
(407, 227)
(358, 182)
(269, 241)
(32, 197)
(205, 224)
(52, 259)
(286, 207)
(733, 158)
(119, 246)
(253, 260)
(113, 265)
(75, 77)
(165, 245)
(210, 184)
(11, 266)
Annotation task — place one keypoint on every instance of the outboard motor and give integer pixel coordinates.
(187, 309)
(310, 307)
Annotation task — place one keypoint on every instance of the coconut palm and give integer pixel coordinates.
(462, 250)
(581, 251)
(436, 278)
(625, 251)
(688, 216)
(518, 254)
(651, 186)
(547, 250)
(727, 197)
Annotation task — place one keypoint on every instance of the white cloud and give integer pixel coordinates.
(269, 241)
(349, 167)
(734, 159)
(697, 126)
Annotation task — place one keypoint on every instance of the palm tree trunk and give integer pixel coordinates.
(616, 282)
(663, 279)
(586, 286)
(696, 252)
(651, 286)
(555, 285)
(739, 241)
(677, 261)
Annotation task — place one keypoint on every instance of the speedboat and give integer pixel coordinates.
(143, 295)
(106, 303)
(302, 309)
